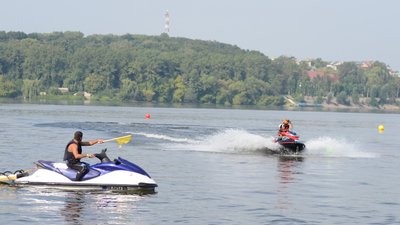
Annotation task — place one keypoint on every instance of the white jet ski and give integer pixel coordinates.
(119, 174)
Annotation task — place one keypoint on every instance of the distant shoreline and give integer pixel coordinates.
(309, 102)
(290, 106)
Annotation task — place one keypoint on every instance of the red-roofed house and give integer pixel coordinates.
(313, 74)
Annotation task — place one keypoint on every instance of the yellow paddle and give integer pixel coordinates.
(121, 140)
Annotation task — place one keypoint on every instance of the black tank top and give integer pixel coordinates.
(69, 157)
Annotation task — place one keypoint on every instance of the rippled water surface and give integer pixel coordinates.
(209, 166)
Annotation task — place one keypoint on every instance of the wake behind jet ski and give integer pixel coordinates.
(119, 174)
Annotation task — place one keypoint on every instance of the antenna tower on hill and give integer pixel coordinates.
(167, 20)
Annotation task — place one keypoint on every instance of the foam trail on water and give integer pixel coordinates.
(168, 138)
(232, 140)
(238, 140)
(331, 147)
(229, 140)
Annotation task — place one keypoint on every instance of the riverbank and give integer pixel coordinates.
(362, 106)
(307, 105)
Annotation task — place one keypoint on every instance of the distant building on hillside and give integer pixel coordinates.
(317, 73)
(367, 64)
(334, 65)
(63, 90)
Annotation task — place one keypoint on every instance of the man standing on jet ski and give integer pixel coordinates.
(73, 154)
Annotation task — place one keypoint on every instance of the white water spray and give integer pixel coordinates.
(229, 140)
(237, 140)
(331, 147)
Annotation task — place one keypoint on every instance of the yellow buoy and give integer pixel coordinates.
(381, 128)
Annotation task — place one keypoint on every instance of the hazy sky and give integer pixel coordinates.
(334, 30)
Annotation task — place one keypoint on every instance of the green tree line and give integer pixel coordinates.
(175, 70)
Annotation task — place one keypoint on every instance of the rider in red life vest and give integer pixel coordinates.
(285, 126)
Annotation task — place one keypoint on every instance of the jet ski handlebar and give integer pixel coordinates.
(103, 156)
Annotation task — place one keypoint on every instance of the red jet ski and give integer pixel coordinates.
(290, 143)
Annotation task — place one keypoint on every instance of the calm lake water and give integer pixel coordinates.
(208, 166)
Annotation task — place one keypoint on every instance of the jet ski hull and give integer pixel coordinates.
(292, 147)
(115, 180)
(287, 145)
(117, 175)
(286, 149)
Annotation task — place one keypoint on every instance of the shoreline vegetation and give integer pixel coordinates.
(140, 69)
(290, 105)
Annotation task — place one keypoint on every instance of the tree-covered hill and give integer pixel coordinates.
(168, 69)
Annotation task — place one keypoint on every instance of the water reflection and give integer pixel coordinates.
(286, 167)
(287, 170)
(69, 206)
(82, 207)
(74, 203)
